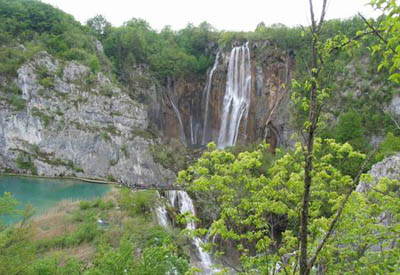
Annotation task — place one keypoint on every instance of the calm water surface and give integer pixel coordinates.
(44, 194)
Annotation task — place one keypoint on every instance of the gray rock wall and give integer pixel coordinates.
(76, 122)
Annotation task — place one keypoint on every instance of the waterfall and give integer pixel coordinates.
(236, 102)
(186, 205)
(176, 110)
(182, 201)
(161, 212)
(207, 90)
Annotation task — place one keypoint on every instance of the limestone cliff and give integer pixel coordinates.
(62, 119)
(75, 122)
(387, 168)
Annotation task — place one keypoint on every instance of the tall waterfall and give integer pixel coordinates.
(236, 102)
(182, 201)
(176, 110)
(207, 90)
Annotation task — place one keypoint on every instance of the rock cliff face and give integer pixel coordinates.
(387, 168)
(269, 116)
(69, 121)
(75, 122)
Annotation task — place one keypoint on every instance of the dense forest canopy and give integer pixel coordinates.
(168, 53)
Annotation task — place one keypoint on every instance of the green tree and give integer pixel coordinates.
(100, 26)
(258, 211)
(16, 249)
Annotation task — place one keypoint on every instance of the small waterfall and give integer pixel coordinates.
(24, 88)
(193, 131)
(236, 102)
(186, 205)
(207, 90)
(182, 201)
(161, 212)
(176, 110)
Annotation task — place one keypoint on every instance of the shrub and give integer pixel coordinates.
(138, 202)
(172, 156)
(17, 102)
(14, 89)
(44, 118)
(105, 136)
(75, 54)
(24, 162)
(94, 64)
(83, 205)
(124, 149)
(389, 146)
(47, 82)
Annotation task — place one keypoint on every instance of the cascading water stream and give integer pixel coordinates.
(182, 201)
(207, 90)
(176, 110)
(236, 102)
(235, 106)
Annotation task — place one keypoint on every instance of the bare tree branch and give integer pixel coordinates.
(376, 32)
(323, 13)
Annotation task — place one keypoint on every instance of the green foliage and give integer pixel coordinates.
(99, 26)
(124, 150)
(10, 60)
(138, 202)
(25, 162)
(348, 127)
(172, 155)
(51, 265)
(168, 53)
(115, 261)
(17, 251)
(161, 259)
(85, 233)
(8, 204)
(18, 102)
(75, 54)
(130, 241)
(44, 118)
(258, 210)
(106, 90)
(389, 146)
(16, 246)
(104, 135)
(83, 205)
(39, 26)
(389, 45)
(94, 64)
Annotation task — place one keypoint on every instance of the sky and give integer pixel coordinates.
(243, 15)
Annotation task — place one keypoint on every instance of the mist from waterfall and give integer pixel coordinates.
(236, 101)
(207, 90)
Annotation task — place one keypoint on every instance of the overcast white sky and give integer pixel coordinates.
(243, 15)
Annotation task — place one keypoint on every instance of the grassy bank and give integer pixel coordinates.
(115, 234)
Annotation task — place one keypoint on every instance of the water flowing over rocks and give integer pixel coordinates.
(200, 102)
(236, 102)
(184, 204)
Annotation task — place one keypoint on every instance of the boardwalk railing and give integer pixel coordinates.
(154, 187)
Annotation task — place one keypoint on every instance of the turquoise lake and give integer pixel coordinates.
(45, 193)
